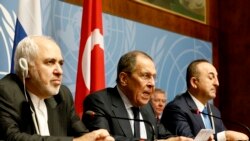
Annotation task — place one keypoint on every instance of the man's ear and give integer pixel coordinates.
(193, 82)
(23, 64)
(123, 78)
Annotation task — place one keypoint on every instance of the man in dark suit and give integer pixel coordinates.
(180, 117)
(33, 104)
(158, 102)
(135, 84)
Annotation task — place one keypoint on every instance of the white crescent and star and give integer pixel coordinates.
(94, 39)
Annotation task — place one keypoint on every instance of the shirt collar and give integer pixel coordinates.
(125, 100)
(199, 105)
(35, 99)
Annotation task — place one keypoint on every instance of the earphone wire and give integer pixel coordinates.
(32, 111)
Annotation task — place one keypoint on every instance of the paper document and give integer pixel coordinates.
(204, 134)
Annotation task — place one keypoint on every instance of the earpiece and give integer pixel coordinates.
(24, 66)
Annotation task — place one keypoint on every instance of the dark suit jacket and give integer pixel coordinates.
(178, 118)
(109, 103)
(15, 115)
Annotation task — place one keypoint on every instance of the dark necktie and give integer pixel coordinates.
(157, 120)
(206, 119)
(136, 123)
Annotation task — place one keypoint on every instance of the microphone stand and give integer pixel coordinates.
(196, 111)
(93, 114)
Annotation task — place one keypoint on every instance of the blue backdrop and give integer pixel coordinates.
(171, 52)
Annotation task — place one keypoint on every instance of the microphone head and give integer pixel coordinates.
(90, 113)
(195, 111)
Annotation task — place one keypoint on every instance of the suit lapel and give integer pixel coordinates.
(56, 119)
(192, 105)
(119, 110)
(146, 112)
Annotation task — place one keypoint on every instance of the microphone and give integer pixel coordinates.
(197, 112)
(93, 114)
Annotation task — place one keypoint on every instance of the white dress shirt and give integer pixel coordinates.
(128, 106)
(41, 114)
(221, 136)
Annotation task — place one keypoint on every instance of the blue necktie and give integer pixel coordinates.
(206, 119)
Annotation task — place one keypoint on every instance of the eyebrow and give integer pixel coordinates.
(212, 73)
(53, 59)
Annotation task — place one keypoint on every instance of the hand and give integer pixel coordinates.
(211, 138)
(180, 138)
(234, 136)
(97, 135)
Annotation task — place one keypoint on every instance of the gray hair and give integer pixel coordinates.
(27, 48)
(127, 62)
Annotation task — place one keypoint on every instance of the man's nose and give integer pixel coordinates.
(58, 69)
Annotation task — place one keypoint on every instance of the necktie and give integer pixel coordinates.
(206, 119)
(136, 123)
(157, 120)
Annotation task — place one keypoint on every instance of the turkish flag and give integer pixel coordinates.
(90, 72)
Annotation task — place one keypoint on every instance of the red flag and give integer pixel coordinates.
(90, 72)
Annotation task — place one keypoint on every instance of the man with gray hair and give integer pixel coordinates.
(34, 105)
(136, 75)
